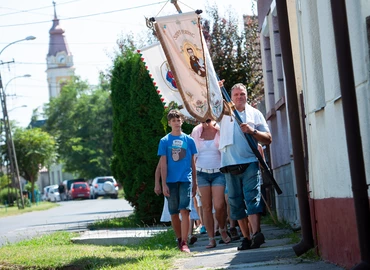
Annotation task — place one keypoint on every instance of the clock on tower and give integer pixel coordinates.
(61, 59)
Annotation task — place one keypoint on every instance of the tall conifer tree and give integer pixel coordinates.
(137, 129)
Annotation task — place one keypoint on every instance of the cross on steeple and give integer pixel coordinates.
(55, 12)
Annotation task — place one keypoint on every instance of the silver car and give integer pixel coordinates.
(104, 186)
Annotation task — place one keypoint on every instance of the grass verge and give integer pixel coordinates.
(131, 221)
(119, 222)
(12, 211)
(56, 251)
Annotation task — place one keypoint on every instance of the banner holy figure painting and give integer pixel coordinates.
(191, 66)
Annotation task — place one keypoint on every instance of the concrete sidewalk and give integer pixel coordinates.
(276, 253)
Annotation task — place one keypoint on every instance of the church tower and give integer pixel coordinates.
(59, 59)
(59, 70)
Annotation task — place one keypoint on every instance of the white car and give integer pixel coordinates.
(104, 186)
(54, 195)
(45, 196)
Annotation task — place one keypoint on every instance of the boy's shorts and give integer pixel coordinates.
(180, 197)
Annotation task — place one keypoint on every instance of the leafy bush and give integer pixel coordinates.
(8, 196)
(28, 187)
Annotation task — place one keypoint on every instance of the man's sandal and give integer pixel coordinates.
(212, 243)
(224, 240)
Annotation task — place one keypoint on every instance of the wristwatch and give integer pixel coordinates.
(255, 131)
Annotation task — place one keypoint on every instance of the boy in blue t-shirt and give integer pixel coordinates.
(178, 173)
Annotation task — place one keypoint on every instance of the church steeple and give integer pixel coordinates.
(59, 59)
(57, 41)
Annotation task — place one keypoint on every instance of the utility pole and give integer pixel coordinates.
(14, 171)
(8, 134)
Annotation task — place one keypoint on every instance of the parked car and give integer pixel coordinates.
(45, 196)
(80, 190)
(68, 184)
(104, 186)
(54, 195)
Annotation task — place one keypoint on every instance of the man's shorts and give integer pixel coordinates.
(244, 191)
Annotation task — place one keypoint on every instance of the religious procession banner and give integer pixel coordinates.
(159, 70)
(187, 54)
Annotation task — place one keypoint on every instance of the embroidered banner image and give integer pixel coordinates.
(187, 54)
(159, 70)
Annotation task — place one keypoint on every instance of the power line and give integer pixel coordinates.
(28, 10)
(69, 43)
(85, 16)
(74, 63)
(104, 21)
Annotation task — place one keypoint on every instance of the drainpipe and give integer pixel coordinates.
(293, 113)
(352, 127)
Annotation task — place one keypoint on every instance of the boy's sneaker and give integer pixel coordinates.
(203, 230)
(257, 240)
(246, 244)
(234, 234)
(179, 240)
(184, 247)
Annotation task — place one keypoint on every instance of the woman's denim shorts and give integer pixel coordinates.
(210, 179)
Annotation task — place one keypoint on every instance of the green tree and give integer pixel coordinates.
(253, 60)
(235, 54)
(137, 129)
(80, 118)
(34, 149)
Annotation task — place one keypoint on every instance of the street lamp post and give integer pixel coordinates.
(16, 77)
(12, 109)
(27, 38)
(8, 133)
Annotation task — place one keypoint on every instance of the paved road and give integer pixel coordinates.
(69, 216)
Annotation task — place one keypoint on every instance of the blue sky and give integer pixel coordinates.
(91, 29)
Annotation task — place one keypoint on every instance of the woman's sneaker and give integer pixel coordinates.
(257, 240)
(246, 244)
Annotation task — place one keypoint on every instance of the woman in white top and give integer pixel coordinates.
(211, 182)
